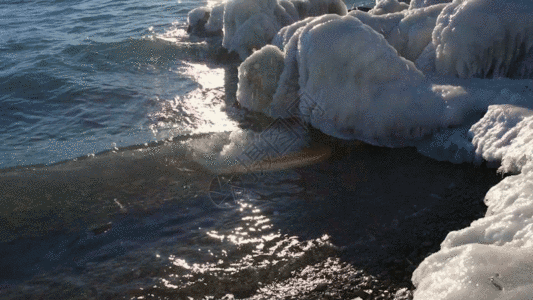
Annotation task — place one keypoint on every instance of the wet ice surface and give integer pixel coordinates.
(160, 226)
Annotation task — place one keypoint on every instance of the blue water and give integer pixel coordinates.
(79, 77)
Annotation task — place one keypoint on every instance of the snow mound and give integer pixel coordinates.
(482, 38)
(258, 78)
(383, 7)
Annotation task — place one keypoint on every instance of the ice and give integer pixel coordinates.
(493, 257)
(216, 19)
(482, 38)
(313, 8)
(388, 6)
(504, 136)
(425, 3)
(408, 31)
(258, 78)
(197, 18)
(476, 271)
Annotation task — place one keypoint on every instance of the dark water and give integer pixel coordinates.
(148, 219)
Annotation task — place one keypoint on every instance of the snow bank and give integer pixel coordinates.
(482, 38)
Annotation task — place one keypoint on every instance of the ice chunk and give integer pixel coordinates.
(258, 78)
(483, 38)
(504, 136)
(310, 8)
(408, 31)
(388, 6)
(197, 19)
(238, 12)
(216, 19)
(425, 3)
(354, 85)
(256, 32)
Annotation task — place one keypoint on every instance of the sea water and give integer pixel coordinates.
(133, 107)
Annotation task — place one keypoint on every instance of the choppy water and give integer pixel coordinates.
(151, 219)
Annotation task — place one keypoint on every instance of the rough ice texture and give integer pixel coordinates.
(476, 271)
(352, 84)
(504, 136)
(482, 38)
(258, 78)
(425, 3)
(383, 7)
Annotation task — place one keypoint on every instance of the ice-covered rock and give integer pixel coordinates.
(383, 7)
(425, 3)
(216, 20)
(313, 8)
(197, 19)
(482, 38)
(408, 31)
(258, 78)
